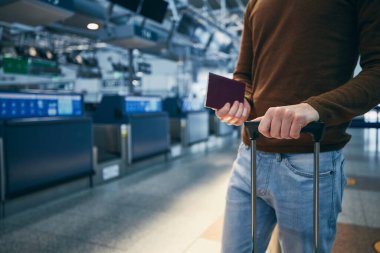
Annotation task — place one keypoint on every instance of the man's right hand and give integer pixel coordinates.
(236, 114)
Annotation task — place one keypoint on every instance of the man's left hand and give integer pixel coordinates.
(286, 122)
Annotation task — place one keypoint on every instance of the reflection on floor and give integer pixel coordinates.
(178, 207)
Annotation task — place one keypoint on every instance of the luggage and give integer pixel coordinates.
(316, 129)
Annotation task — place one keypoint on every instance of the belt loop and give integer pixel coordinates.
(278, 157)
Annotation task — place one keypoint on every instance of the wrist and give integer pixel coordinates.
(313, 113)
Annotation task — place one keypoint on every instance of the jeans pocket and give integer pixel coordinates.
(242, 147)
(303, 164)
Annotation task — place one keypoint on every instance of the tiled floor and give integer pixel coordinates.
(177, 207)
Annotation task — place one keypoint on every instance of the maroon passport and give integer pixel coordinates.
(222, 90)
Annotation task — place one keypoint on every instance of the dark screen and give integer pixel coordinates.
(193, 29)
(42, 153)
(129, 4)
(154, 9)
(187, 26)
(150, 135)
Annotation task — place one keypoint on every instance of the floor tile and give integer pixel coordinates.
(352, 210)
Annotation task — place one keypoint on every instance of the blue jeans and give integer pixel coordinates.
(285, 197)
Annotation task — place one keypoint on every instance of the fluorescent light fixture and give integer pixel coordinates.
(92, 26)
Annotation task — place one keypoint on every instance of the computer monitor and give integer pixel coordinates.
(128, 4)
(193, 29)
(134, 104)
(154, 9)
(31, 105)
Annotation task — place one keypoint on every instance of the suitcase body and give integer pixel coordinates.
(316, 129)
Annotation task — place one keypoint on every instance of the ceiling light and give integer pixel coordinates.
(32, 52)
(92, 26)
(49, 55)
(79, 59)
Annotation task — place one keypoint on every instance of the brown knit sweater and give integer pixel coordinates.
(295, 51)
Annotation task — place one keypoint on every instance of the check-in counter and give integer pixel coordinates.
(45, 144)
(135, 127)
(187, 126)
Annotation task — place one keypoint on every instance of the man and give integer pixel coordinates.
(297, 59)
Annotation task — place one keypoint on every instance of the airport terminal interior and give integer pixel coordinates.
(106, 145)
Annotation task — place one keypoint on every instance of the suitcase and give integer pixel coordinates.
(316, 130)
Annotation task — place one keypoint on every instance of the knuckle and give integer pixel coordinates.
(270, 111)
(298, 119)
(288, 113)
(279, 111)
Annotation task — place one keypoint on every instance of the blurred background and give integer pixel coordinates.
(105, 145)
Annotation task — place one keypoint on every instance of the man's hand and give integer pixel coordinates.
(285, 122)
(235, 114)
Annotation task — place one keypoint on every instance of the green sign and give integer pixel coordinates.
(30, 66)
(15, 66)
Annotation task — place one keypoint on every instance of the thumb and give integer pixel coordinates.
(258, 119)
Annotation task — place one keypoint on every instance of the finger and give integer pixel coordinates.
(285, 127)
(258, 119)
(238, 115)
(239, 122)
(232, 111)
(264, 126)
(275, 127)
(243, 118)
(247, 108)
(239, 111)
(245, 114)
(295, 130)
(222, 111)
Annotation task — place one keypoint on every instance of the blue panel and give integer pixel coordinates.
(150, 134)
(28, 105)
(197, 127)
(142, 104)
(42, 153)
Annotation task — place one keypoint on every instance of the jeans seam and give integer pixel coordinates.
(267, 178)
(333, 195)
(303, 174)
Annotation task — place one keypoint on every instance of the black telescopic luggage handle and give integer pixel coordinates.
(316, 130)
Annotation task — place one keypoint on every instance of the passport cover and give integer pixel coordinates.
(222, 90)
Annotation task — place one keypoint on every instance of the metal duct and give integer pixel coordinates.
(32, 12)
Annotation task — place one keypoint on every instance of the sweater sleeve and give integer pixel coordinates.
(361, 93)
(243, 70)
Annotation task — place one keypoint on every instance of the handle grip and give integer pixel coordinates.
(315, 129)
